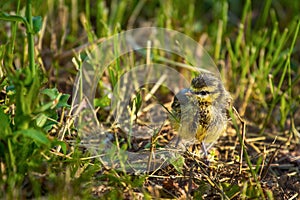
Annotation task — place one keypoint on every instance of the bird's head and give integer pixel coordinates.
(208, 88)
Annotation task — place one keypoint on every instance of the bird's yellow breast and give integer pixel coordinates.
(201, 109)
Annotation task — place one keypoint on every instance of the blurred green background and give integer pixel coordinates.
(255, 44)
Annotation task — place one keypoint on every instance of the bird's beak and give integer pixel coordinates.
(188, 93)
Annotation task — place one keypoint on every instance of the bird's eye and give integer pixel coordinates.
(203, 93)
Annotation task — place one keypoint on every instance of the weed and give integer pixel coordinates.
(255, 45)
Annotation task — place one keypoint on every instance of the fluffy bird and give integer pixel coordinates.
(201, 110)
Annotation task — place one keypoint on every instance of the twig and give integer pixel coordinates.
(212, 182)
(243, 138)
(155, 87)
(150, 155)
(270, 162)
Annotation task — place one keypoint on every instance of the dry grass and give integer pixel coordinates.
(254, 44)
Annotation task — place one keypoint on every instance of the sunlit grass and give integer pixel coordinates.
(255, 46)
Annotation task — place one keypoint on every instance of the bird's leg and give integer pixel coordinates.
(205, 153)
(204, 149)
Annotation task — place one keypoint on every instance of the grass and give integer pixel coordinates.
(254, 44)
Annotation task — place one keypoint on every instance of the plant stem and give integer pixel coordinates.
(14, 32)
(30, 39)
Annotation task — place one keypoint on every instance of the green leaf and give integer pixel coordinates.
(258, 164)
(5, 127)
(46, 120)
(63, 101)
(178, 163)
(48, 125)
(37, 23)
(62, 144)
(137, 101)
(45, 107)
(51, 93)
(102, 102)
(230, 190)
(41, 120)
(113, 77)
(4, 14)
(38, 136)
